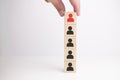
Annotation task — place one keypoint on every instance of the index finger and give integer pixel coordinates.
(76, 6)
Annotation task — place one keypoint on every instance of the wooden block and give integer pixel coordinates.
(70, 18)
(69, 55)
(70, 30)
(70, 66)
(70, 42)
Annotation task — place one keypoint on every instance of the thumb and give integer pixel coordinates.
(58, 4)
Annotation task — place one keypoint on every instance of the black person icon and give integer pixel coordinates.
(70, 56)
(70, 32)
(70, 44)
(70, 68)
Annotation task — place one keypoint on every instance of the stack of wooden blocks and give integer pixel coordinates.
(70, 42)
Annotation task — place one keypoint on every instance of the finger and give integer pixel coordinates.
(76, 6)
(47, 0)
(58, 4)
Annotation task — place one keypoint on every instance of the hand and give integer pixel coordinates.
(58, 4)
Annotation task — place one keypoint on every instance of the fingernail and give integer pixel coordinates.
(61, 13)
(78, 13)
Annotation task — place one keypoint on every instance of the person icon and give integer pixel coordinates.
(70, 56)
(70, 32)
(70, 19)
(70, 68)
(70, 44)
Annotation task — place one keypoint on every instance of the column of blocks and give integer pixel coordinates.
(70, 42)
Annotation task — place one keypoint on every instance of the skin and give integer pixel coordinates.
(59, 5)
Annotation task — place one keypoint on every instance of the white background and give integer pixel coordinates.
(32, 37)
